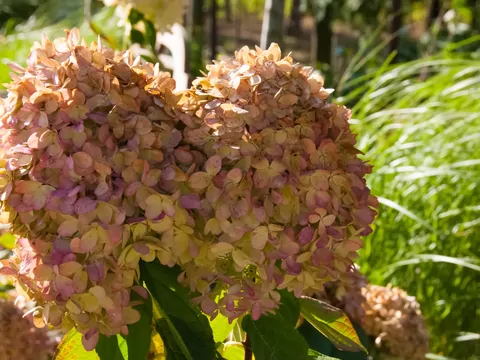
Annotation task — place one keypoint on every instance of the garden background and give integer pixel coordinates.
(410, 72)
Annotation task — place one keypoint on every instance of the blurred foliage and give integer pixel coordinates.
(51, 18)
(419, 123)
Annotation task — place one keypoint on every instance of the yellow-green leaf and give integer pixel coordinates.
(332, 323)
(221, 328)
(233, 351)
(7, 241)
(71, 348)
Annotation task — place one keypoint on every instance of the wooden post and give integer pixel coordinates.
(213, 29)
(272, 26)
(324, 36)
(294, 27)
(396, 25)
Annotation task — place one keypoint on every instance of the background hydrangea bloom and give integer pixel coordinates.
(388, 314)
(250, 182)
(19, 338)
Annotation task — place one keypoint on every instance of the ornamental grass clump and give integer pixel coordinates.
(249, 182)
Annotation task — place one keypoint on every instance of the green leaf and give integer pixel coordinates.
(233, 351)
(316, 340)
(134, 16)
(150, 34)
(315, 355)
(182, 326)
(332, 323)
(108, 347)
(171, 342)
(221, 328)
(71, 348)
(320, 344)
(137, 37)
(7, 241)
(289, 307)
(274, 337)
(140, 334)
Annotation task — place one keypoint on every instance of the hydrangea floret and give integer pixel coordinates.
(250, 182)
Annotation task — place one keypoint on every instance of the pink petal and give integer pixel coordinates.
(140, 290)
(64, 286)
(140, 248)
(190, 201)
(84, 205)
(96, 271)
(208, 306)
(90, 339)
(115, 234)
(256, 311)
(305, 235)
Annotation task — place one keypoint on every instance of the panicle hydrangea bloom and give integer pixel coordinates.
(19, 338)
(84, 134)
(250, 182)
(388, 314)
(281, 202)
(394, 318)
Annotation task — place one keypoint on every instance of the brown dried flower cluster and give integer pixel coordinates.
(250, 182)
(394, 318)
(19, 338)
(388, 314)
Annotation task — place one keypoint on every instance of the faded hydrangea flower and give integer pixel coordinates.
(388, 314)
(281, 202)
(19, 338)
(249, 181)
(85, 134)
(394, 318)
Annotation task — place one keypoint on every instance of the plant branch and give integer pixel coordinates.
(248, 348)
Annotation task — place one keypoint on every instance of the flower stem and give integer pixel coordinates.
(248, 348)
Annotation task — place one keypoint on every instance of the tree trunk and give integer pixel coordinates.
(213, 29)
(433, 12)
(228, 10)
(294, 27)
(475, 7)
(272, 26)
(197, 37)
(324, 36)
(396, 25)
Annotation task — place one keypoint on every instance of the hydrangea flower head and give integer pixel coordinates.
(388, 314)
(19, 338)
(281, 202)
(249, 182)
(84, 136)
